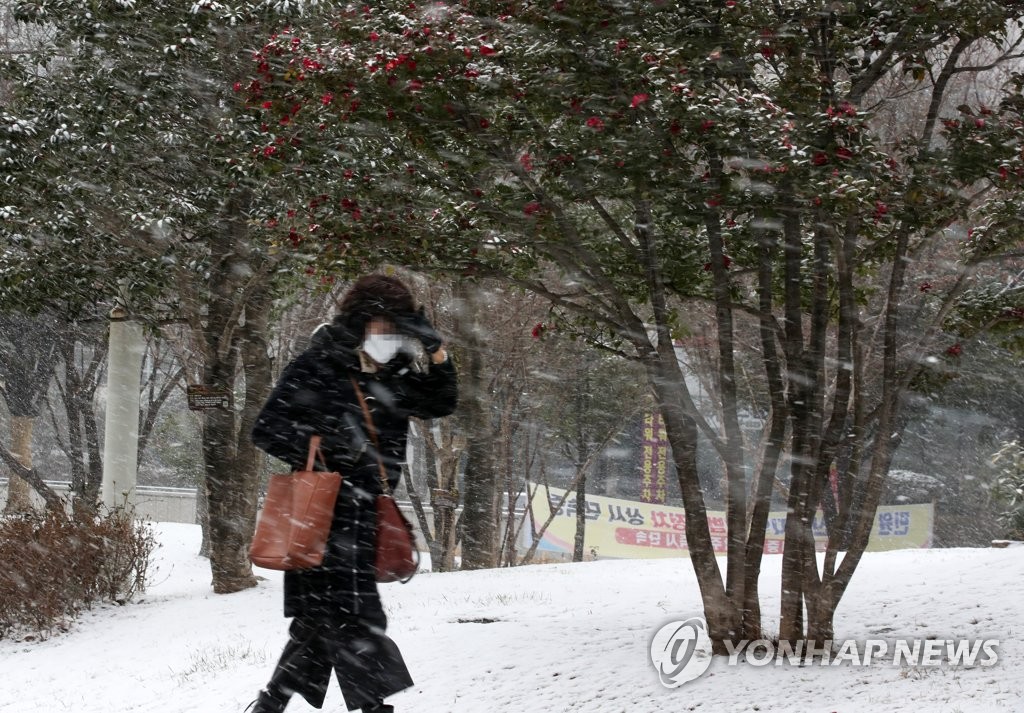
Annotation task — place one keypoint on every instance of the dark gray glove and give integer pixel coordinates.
(417, 325)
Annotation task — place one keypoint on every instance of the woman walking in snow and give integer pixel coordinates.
(339, 622)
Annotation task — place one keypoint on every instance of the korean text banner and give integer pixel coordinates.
(630, 529)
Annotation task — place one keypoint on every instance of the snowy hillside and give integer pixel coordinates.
(541, 639)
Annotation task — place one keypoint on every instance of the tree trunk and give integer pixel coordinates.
(258, 374)
(232, 461)
(732, 457)
(19, 492)
(442, 469)
(480, 525)
(668, 384)
(480, 511)
(773, 446)
(235, 335)
(581, 519)
(723, 616)
(803, 392)
(83, 431)
(821, 611)
(203, 519)
(230, 494)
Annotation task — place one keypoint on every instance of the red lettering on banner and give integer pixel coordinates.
(639, 537)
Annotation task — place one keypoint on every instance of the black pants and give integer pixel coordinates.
(367, 663)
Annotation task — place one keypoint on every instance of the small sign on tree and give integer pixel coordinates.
(202, 397)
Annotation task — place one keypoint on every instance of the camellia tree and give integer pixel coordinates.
(651, 155)
(123, 185)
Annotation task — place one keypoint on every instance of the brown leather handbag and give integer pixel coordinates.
(397, 558)
(293, 527)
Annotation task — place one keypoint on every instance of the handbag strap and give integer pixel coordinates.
(373, 434)
(314, 451)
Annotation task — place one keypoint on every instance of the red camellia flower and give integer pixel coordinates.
(374, 37)
(526, 161)
(925, 286)
(595, 123)
(237, 86)
(726, 262)
(484, 123)
(844, 153)
(267, 105)
(531, 207)
(326, 99)
(820, 158)
(955, 350)
(538, 330)
(639, 99)
(269, 150)
(487, 51)
(706, 125)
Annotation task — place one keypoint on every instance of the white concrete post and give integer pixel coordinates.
(121, 433)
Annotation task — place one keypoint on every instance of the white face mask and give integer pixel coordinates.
(382, 348)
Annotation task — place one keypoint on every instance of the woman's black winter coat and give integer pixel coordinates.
(314, 396)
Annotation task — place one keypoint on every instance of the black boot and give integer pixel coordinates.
(268, 702)
(378, 708)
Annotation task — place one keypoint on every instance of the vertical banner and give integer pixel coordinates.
(654, 486)
(629, 529)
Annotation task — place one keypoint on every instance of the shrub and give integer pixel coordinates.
(53, 566)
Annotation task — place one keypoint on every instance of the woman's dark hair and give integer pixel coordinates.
(373, 295)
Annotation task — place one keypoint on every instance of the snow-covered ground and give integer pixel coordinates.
(571, 637)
